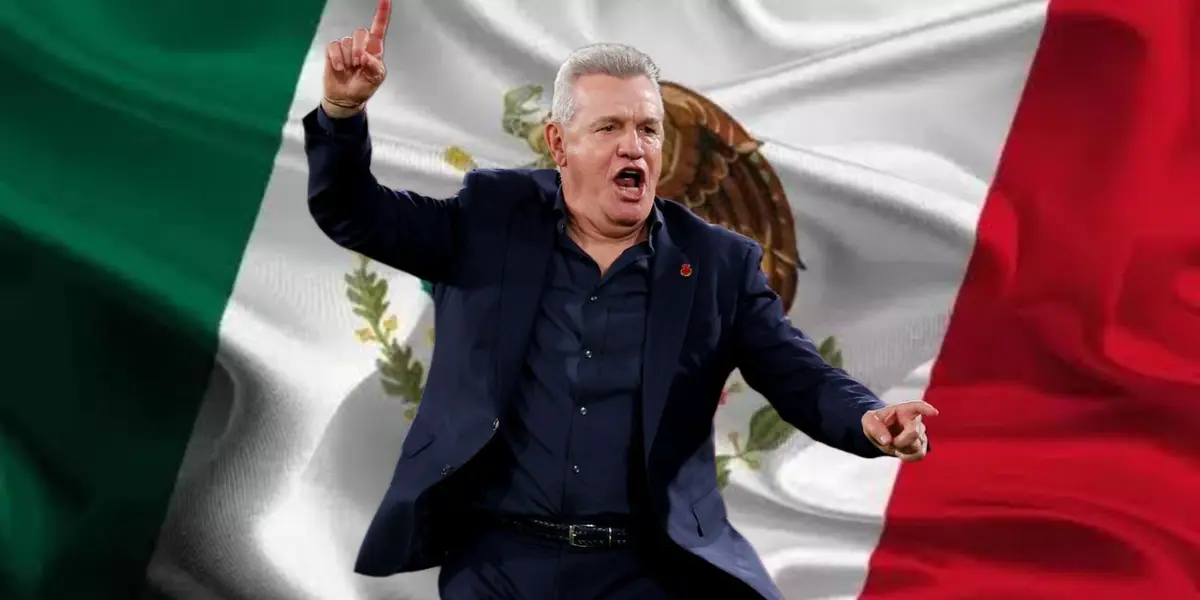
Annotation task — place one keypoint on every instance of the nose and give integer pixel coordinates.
(630, 146)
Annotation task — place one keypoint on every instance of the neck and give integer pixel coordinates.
(587, 233)
(604, 246)
(590, 233)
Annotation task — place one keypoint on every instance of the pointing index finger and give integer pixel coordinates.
(916, 409)
(383, 14)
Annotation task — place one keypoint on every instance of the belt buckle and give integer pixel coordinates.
(571, 537)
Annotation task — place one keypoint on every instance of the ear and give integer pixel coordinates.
(555, 142)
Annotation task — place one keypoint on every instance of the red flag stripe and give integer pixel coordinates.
(1066, 459)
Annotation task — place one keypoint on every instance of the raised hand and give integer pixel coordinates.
(354, 66)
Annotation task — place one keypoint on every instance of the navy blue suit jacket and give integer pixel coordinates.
(486, 249)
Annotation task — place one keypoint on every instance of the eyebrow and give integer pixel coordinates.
(615, 119)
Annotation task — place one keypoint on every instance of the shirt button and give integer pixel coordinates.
(587, 353)
(583, 410)
(447, 470)
(495, 424)
(575, 468)
(592, 299)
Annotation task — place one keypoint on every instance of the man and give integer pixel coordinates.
(585, 329)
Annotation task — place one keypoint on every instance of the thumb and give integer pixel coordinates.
(874, 428)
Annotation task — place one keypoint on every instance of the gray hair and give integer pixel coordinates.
(616, 60)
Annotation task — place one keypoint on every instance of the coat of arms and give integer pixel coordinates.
(712, 165)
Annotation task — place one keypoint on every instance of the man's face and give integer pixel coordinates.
(610, 152)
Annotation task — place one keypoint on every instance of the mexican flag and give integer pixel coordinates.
(990, 204)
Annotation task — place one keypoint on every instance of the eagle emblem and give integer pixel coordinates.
(711, 165)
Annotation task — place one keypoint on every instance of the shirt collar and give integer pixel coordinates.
(655, 218)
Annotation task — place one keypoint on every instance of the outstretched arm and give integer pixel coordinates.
(783, 364)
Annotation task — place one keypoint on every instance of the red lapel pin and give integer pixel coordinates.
(685, 270)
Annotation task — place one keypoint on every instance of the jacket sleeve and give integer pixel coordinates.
(403, 229)
(783, 364)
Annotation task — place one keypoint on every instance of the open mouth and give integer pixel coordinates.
(630, 181)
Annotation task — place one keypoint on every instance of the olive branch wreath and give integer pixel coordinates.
(400, 373)
(767, 431)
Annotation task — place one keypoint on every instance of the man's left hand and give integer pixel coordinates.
(897, 430)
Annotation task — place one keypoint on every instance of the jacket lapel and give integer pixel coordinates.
(666, 325)
(529, 247)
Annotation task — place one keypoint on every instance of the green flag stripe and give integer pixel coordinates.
(138, 138)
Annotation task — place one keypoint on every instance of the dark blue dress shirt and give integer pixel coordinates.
(572, 446)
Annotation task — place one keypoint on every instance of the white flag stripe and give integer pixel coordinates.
(884, 120)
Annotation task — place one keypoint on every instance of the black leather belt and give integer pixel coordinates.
(578, 535)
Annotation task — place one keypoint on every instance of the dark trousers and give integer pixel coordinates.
(494, 563)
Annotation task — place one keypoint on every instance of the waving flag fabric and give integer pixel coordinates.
(987, 203)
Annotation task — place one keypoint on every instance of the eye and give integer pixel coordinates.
(607, 128)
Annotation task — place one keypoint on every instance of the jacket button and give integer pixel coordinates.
(495, 424)
(446, 470)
